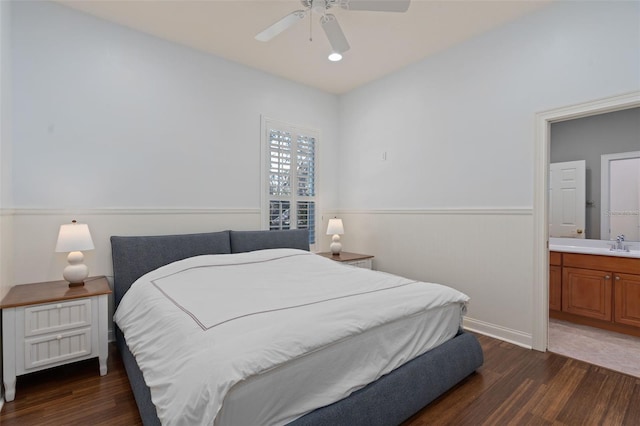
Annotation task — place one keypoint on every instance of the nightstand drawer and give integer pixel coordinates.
(365, 263)
(54, 317)
(55, 348)
(354, 259)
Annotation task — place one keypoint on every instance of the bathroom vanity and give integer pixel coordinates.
(590, 284)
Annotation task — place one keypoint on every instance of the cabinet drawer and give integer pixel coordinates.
(364, 263)
(625, 265)
(55, 348)
(555, 258)
(55, 317)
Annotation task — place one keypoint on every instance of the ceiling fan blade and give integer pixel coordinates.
(334, 33)
(284, 23)
(376, 5)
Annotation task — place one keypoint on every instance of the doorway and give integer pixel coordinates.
(543, 122)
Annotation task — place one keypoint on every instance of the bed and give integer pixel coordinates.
(411, 382)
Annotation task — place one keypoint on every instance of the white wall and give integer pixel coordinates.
(6, 263)
(458, 130)
(136, 135)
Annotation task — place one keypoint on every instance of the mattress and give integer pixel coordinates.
(264, 337)
(281, 395)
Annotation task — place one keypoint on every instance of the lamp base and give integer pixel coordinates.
(335, 246)
(76, 271)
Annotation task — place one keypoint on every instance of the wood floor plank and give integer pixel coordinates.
(560, 390)
(510, 409)
(632, 415)
(594, 387)
(515, 386)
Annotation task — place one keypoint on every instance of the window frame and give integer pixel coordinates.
(266, 125)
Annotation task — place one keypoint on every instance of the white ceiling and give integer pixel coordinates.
(381, 42)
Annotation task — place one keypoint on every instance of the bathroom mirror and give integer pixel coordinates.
(620, 193)
(616, 137)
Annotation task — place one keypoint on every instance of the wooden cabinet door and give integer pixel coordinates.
(555, 288)
(588, 293)
(627, 299)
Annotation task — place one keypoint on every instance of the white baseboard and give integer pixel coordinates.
(516, 337)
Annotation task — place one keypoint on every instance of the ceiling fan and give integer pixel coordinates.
(328, 21)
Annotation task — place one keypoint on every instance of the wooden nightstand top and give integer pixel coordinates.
(345, 256)
(53, 291)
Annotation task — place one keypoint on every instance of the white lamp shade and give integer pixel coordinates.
(74, 237)
(335, 227)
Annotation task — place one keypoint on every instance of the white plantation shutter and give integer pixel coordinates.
(290, 189)
(280, 163)
(305, 158)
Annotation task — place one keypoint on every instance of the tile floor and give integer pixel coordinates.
(615, 351)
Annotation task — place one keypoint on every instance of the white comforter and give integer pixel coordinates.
(201, 325)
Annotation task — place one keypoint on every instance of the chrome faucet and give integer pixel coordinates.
(619, 246)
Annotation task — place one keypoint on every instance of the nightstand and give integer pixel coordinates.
(355, 259)
(49, 324)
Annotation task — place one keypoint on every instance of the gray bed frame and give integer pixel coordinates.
(388, 401)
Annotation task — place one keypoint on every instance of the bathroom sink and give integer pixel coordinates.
(599, 247)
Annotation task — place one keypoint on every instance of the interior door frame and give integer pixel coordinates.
(543, 120)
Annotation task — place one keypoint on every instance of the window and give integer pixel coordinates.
(289, 177)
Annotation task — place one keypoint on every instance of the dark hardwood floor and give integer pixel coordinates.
(514, 386)
(517, 386)
(74, 394)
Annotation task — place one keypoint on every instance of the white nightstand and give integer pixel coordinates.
(49, 324)
(355, 259)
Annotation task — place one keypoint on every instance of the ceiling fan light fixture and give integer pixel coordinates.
(328, 21)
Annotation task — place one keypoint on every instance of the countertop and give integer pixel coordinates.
(598, 247)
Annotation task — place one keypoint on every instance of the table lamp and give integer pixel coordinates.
(73, 238)
(336, 229)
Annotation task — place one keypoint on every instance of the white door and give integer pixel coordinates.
(620, 196)
(567, 199)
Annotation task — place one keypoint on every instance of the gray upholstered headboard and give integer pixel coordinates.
(243, 241)
(135, 256)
